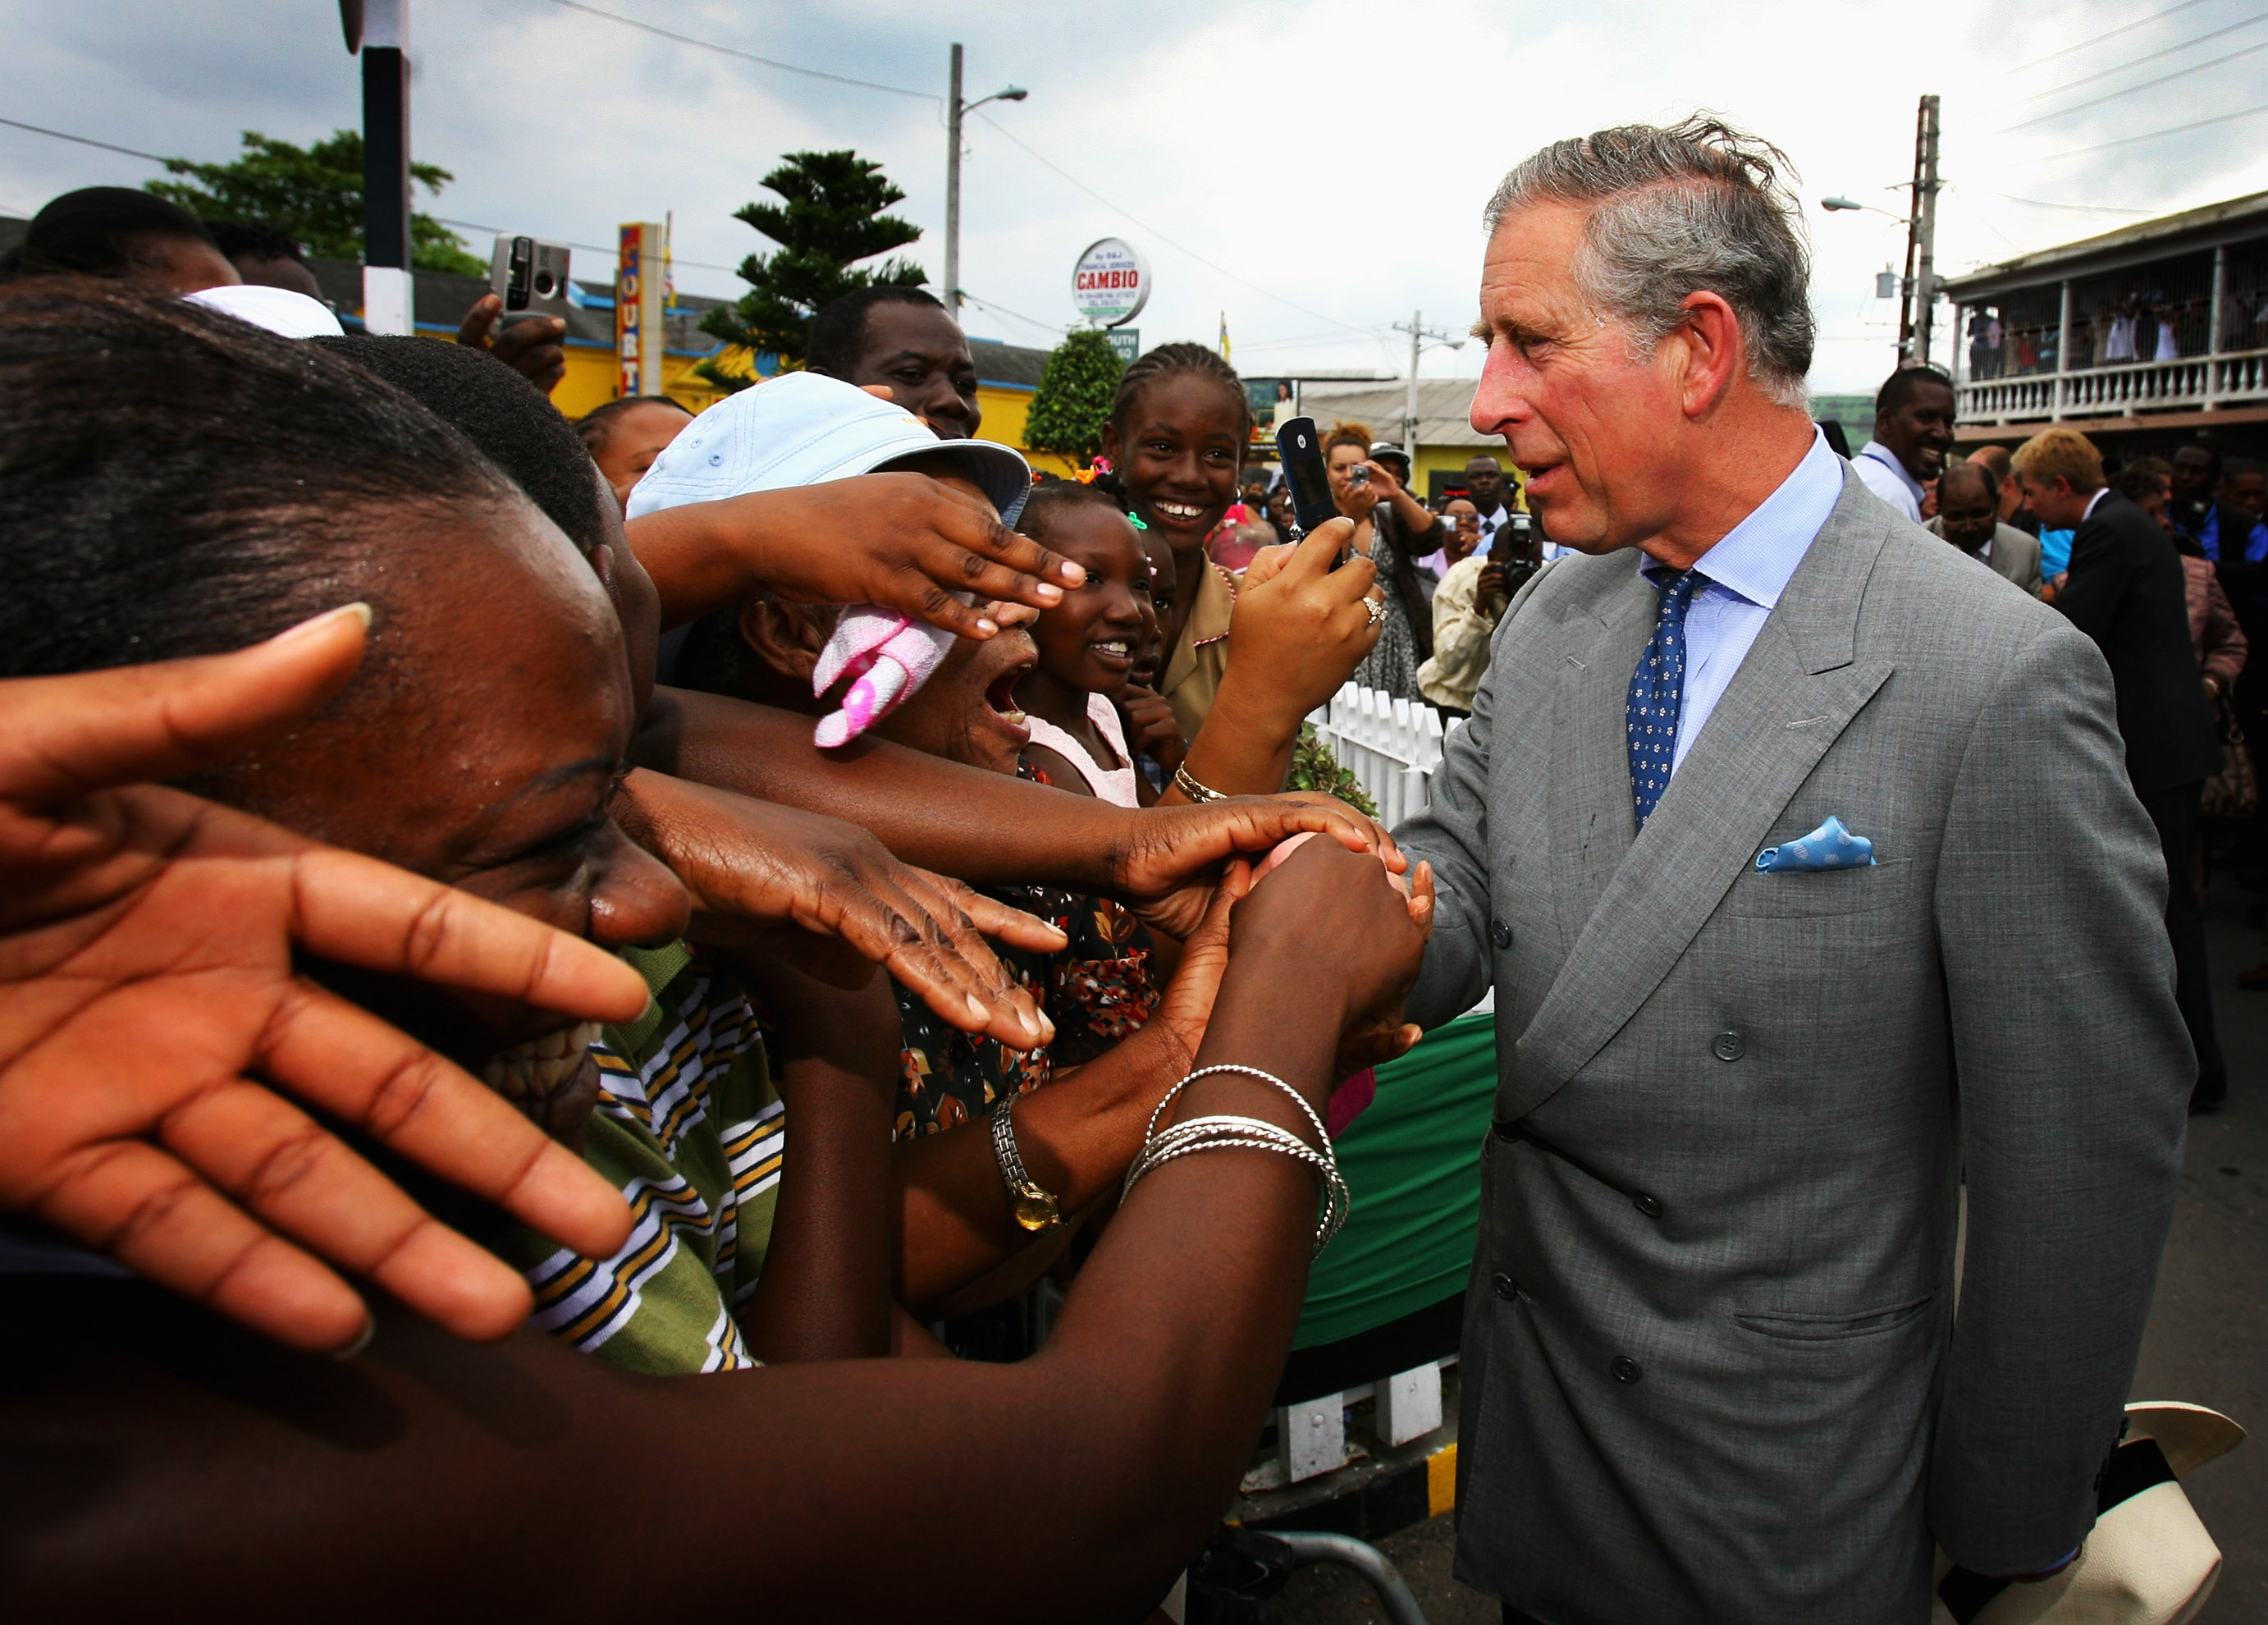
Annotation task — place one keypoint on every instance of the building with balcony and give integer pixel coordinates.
(2145, 338)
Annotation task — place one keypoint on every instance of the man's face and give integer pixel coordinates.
(1967, 509)
(1597, 425)
(1485, 481)
(2192, 474)
(2248, 491)
(1921, 429)
(2057, 506)
(921, 356)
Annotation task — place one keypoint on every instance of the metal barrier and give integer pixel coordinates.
(1391, 746)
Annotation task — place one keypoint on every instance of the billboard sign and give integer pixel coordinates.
(641, 274)
(1110, 284)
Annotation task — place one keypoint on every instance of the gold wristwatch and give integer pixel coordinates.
(1035, 1209)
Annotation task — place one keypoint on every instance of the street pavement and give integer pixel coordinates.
(2208, 1342)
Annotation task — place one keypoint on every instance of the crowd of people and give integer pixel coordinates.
(643, 940)
(573, 676)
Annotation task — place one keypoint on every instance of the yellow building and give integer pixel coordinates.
(1007, 374)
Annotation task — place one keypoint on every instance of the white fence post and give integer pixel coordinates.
(1390, 745)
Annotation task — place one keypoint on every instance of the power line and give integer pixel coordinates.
(2178, 73)
(1003, 310)
(2122, 28)
(2040, 203)
(726, 50)
(106, 146)
(1169, 242)
(2127, 141)
(2123, 67)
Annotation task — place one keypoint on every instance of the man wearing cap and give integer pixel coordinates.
(1800, 857)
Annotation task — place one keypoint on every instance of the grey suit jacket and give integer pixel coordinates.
(1711, 1370)
(2015, 555)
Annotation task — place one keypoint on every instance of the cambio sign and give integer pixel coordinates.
(1110, 284)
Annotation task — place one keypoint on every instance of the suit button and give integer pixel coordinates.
(1650, 1206)
(1506, 1288)
(1506, 1130)
(1727, 1046)
(1625, 1369)
(1499, 934)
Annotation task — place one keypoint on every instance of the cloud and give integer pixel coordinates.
(1335, 154)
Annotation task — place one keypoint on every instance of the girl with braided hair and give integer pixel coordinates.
(1245, 662)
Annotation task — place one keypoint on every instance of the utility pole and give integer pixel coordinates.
(1925, 219)
(953, 111)
(1921, 240)
(1418, 334)
(379, 30)
(953, 191)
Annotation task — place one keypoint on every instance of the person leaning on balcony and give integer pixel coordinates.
(1913, 429)
(1967, 516)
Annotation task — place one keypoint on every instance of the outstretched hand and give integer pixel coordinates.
(149, 1016)
(904, 541)
(1166, 867)
(1300, 626)
(753, 865)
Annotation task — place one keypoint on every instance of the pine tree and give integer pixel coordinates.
(1073, 399)
(314, 195)
(832, 218)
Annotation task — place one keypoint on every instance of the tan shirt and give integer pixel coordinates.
(1461, 628)
(1193, 673)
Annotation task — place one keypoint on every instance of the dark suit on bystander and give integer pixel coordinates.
(2127, 593)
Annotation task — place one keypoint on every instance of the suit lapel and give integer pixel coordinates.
(1796, 691)
(1592, 821)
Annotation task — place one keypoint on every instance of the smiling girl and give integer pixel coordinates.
(1088, 643)
(1176, 439)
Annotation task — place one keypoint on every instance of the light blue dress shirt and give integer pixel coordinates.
(1878, 467)
(1747, 570)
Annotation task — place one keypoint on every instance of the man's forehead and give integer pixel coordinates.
(1529, 261)
(899, 328)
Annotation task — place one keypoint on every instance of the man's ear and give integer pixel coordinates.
(786, 637)
(1712, 335)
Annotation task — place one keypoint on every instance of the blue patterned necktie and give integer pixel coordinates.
(1657, 690)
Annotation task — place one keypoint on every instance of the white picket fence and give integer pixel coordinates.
(1391, 746)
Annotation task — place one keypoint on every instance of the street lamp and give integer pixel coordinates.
(956, 109)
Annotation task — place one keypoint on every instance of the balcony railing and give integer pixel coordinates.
(2194, 383)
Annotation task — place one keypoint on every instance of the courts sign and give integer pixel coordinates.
(1110, 284)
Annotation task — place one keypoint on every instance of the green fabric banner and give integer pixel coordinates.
(1412, 1163)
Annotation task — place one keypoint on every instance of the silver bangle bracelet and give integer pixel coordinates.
(1217, 1134)
(1315, 1122)
(1195, 791)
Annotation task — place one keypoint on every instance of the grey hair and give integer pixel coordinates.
(1698, 206)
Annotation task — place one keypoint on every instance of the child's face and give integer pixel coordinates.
(1180, 454)
(1090, 639)
(1150, 658)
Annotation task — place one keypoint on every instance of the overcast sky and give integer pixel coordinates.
(1337, 154)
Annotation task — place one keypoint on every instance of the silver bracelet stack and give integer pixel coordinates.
(1251, 1134)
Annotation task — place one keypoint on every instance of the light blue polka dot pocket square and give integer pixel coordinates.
(1830, 846)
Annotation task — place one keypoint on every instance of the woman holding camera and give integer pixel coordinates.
(1392, 527)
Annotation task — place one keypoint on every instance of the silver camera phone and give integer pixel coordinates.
(530, 276)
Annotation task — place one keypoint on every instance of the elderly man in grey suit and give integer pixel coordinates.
(1801, 856)
(1969, 516)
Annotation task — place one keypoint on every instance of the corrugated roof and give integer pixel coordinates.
(2201, 220)
(1444, 408)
